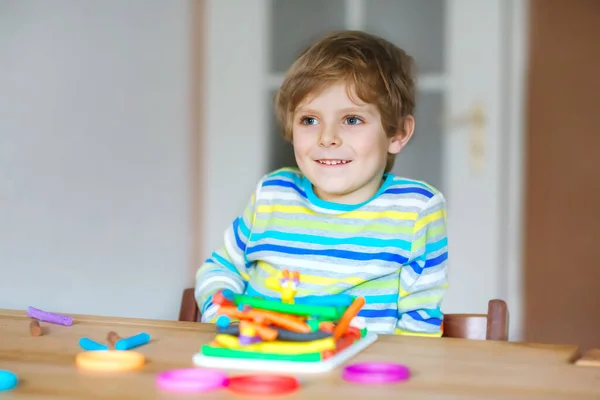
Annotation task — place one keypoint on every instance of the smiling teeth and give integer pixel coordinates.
(333, 162)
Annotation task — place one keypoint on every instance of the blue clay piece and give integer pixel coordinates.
(8, 380)
(223, 321)
(132, 342)
(90, 345)
(228, 294)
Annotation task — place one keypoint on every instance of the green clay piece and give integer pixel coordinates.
(313, 324)
(320, 312)
(363, 332)
(223, 352)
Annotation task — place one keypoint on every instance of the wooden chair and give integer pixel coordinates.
(189, 308)
(591, 358)
(490, 326)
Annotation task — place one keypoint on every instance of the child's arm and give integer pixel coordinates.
(226, 268)
(423, 281)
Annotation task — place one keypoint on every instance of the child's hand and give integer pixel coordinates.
(212, 312)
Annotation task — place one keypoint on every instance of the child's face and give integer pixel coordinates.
(341, 146)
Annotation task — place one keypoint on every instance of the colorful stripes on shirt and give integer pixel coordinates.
(392, 250)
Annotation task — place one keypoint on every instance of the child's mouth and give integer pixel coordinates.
(333, 162)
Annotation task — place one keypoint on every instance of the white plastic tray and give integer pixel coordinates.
(311, 367)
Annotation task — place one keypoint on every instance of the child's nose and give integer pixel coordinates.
(329, 137)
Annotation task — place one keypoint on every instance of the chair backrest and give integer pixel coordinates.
(189, 308)
(490, 326)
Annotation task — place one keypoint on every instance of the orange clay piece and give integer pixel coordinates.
(264, 332)
(344, 322)
(219, 299)
(258, 315)
(35, 329)
(327, 326)
(266, 317)
(112, 338)
(282, 320)
(291, 322)
(268, 313)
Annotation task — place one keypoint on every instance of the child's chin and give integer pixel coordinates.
(332, 191)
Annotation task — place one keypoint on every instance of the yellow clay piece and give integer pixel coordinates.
(315, 346)
(288, 289)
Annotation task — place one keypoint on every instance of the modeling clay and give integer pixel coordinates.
(112, 338)
(110, 360)
(351, 312)
(322, 312)
(280, 347)
(132, 342)
(90, 345)
(8, 380)
(223, 352)
(376, 373)
(287, 285)
(263, 384)
(35, 329)
(191, 380)
(282, 333)
(264, 332)
(262, 316)
(49, 317)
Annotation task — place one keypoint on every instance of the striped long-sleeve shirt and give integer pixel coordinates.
(391, 249)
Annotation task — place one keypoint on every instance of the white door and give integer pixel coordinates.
(458, 48)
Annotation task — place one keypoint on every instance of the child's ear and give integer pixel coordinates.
(401, 138)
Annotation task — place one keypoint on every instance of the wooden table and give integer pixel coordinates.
(442, 368)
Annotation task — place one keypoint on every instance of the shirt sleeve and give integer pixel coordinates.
(424, 279)
(226, 268)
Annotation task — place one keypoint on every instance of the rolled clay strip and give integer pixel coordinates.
(351, 312)
(282, 320)
(264, 332)
(49, 317)
(282, 334)
(35, 329)
(112, 338)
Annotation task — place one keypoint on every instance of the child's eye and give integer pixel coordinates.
(308, 121)
(353, 120)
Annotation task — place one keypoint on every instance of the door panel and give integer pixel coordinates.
(418, 27)
(295, 24)
(457, 45)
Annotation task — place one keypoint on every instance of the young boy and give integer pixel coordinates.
(342, 220)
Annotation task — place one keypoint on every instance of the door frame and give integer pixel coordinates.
(217, 207)
(516, 25)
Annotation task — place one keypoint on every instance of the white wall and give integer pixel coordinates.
(94, 174)
(236, 121)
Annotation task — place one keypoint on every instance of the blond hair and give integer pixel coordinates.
(377, 71)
